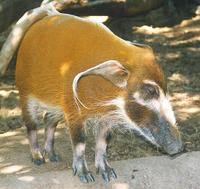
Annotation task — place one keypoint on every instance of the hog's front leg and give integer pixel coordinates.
(101, 163)
(79, 165)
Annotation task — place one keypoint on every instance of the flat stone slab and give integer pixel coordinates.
(161, 172)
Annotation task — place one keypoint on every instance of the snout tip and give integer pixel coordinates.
(175, 149)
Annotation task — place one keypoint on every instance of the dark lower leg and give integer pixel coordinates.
(37, 157)
(49, 140)
(79, 163)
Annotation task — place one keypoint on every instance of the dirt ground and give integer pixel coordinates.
(178, 51)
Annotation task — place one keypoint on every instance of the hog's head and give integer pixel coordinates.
(144, 104)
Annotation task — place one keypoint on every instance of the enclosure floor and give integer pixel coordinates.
(158, 172)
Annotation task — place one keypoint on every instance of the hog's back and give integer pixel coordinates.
(57, 48)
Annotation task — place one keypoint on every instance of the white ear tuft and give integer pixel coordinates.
(111, 70)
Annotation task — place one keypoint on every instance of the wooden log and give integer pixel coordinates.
(108, 7)
(12, 42)
(12, 10)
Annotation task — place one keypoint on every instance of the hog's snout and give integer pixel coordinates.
(164, 135)
(168, 137)
(174, 148)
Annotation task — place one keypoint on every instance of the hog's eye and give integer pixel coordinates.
(150, 91)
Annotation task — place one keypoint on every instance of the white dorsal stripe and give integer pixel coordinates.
(161, 106)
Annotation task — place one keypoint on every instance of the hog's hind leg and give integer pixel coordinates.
(51, 120)
(29, 113)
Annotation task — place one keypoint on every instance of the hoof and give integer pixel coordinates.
(37, 157)
(38, 161)
(87, 177)
(51, 156)
(84, 176)
(55, 158)
(107, 174)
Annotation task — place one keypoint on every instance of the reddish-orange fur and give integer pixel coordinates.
(57, 48)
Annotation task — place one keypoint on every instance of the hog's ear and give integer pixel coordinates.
(111, 70)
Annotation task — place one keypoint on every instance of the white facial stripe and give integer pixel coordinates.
(167, 110)
(161, 105)
(126, 121)
(151, 104)
(150, 82)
